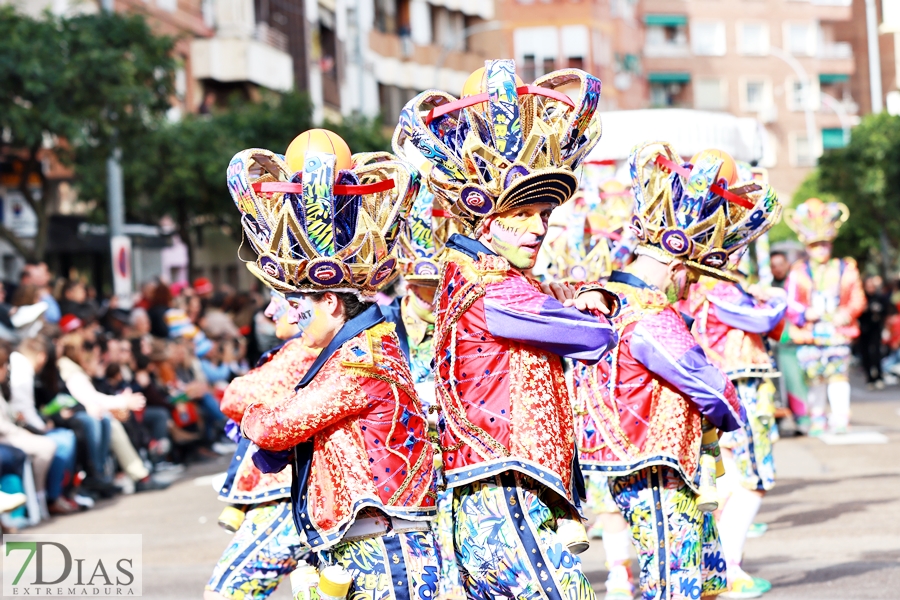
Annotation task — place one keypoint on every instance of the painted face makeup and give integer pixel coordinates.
(277, 308)
(819, 252)
(516, 235)
(300, 311)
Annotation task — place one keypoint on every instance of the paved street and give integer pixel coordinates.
(834, 520)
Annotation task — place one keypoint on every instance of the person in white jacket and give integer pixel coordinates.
(74, 365)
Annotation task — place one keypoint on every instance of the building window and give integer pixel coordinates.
(803, 154)
(708, 38)
(666, 41)
(753, 39)
(710, 94)
(801, 39)
(756, 95)
(549, 65)
(167, 5)
(668, 89)
(575, 62)
(528, 68)
(802, 96)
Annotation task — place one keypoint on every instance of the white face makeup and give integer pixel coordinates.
(300, 311)
(278, 307)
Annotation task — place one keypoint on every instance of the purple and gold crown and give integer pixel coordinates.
(317, 230)
(817, 221)
(509, 145)
(690, 212)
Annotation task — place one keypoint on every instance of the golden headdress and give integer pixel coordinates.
(322, 228)
(696, 211)
(816, 221)
(506, 146)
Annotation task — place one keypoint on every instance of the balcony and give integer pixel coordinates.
(243, 50)
(835, 51)
(667, 50)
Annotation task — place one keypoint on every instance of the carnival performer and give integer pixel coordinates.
(325, 226)
(729, 322)
(418, 248)
(592, 240)
(266, 545)
(825, 298)
(647, 399)
(503, 158)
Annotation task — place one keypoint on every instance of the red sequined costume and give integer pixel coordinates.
(500, 382)
(368, 434)
(269, 382)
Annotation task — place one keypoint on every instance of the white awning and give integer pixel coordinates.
(690, 131)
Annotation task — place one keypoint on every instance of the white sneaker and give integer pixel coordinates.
(10, 502)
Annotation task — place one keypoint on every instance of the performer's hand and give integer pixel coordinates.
(560, 290)
(589, 301)
(840, 319)
(812, 315)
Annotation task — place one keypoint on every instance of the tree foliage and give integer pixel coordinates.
(865, 175)
(178, 169)
(77, 83)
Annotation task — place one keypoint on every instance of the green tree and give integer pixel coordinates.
(865, 175)
(178, 169)
(74, 84)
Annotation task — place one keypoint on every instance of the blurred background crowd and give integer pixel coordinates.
(99, 401)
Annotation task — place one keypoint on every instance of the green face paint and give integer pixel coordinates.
(517, 235)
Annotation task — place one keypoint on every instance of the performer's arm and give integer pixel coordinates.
(853, 302)
(270, 382)
(515, 310)
(325, 401)
(739, 311)
(663, 344)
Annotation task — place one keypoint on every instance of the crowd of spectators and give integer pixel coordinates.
(97, 399)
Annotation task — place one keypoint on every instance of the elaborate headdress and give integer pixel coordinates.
(817, 221)
(595, 238)
(697, 212)
(422, 239)
(317, 229)
(507, 145)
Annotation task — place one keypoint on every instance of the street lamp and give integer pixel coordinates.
(803, 77)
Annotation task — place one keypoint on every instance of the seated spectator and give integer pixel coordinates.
(216, 323)
(36, 274)
(74, 301)
(75, 364)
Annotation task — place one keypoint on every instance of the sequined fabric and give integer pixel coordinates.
(369, 435)
(267, 383)
(830, 289)
(504, 404)
(629, 416)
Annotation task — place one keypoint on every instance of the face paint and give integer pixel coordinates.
(820, 252)
(277, 308)
(517, 234)
(681, 284)
(300, 311)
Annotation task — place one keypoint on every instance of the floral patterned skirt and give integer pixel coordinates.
(751, 445)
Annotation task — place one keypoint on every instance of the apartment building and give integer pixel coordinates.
(408, 46)
(887, 32)
(784, 62)
(603, 38)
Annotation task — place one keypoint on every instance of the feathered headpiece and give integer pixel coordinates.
(817, 221)
(690, 212)
(315, 230)
(508, 145)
